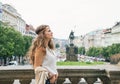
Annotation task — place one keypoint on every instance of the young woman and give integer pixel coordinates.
(41, 52)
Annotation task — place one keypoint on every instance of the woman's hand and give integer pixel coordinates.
(56, 76)
(53, 78)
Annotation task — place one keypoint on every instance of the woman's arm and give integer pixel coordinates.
(39, 57)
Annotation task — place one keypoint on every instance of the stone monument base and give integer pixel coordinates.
(71, 58)
(71, 54)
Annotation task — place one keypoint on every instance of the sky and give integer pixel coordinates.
(81, 16)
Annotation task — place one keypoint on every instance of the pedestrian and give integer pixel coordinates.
(43, 57)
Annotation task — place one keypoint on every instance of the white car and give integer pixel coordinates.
(13, 63)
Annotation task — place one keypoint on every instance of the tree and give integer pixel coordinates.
(19, 48)
(28, 41)
(95, 51)
(11, 42)
(81, 50)
(6, 42)
(57, 45)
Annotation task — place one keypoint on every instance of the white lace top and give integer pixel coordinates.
(50, 61)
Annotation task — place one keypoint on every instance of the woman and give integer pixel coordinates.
(41, 52)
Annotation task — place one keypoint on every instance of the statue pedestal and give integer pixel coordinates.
(71, 54)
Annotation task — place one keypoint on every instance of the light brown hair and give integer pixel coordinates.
(39, 41)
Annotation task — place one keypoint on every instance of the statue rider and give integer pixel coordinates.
(71, 37)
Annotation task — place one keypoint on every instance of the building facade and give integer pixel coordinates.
(11, 17)
(115, 33)
(100, 38)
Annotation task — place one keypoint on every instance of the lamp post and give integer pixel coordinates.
(83, 44)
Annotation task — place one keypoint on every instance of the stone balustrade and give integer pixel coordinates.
(25, 75)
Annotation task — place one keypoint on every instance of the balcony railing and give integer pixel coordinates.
(25, 75)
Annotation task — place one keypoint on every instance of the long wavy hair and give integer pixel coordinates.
(39, 41)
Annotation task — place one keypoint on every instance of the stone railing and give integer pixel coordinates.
(25, 75)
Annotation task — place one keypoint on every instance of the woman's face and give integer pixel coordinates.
(48, 33)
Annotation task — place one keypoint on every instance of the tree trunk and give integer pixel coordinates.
(4, 57)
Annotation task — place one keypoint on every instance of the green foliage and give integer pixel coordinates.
(76, 50)
(28, 41)
(91, 51)
(6, 41)
(115, 48)
(57, 45)
(12, 42)
(81, 50)
(105, 51)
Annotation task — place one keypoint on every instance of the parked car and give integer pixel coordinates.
(13, 63)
